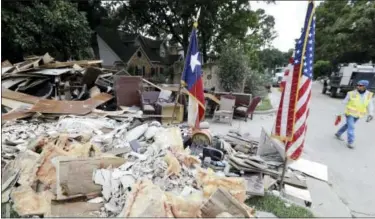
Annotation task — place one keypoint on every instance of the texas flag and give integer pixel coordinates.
(192, 79)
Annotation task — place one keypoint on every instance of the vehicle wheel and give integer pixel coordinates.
(324, 91)
(333, 92)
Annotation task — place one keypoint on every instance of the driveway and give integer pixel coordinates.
(351, 187)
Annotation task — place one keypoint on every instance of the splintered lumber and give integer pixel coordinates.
(70, 107)
(71, 63)
(21, 97)
(222, 201)
(74, 175)
(74, 209)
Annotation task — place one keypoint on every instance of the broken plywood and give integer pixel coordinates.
(71, 63)
(74, 175)
(21, 97)
(16, 115)
(70, 107)
(221, 201)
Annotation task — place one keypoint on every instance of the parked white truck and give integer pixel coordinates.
(347, 77)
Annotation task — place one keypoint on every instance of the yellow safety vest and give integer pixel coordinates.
(355, 106)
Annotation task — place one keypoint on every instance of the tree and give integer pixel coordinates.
(219, 20)
(37, 27)
(272, 58)
(322, 68)
(233, 68)
(345, 31)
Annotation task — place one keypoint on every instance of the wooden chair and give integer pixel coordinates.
(226, 109)
(246, 111)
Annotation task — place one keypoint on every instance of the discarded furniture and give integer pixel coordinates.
(149, 99)
(127, 90)
(165, 110)
(226, 109)
(242, 99)
(249, 110)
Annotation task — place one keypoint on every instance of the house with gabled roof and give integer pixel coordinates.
(138, 54)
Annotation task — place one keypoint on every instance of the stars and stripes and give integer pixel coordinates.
(291, 126)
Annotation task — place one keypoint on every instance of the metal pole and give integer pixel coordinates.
(283, 173)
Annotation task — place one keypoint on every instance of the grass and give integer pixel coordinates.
(264, 105)
(275, 205)
(12, 214)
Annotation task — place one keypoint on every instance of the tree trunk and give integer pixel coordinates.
(204, 47)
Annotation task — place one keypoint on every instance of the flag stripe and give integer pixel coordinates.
(291, 120)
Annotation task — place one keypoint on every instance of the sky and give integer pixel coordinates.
(289, 17)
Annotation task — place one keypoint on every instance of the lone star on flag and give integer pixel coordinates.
(194, 61)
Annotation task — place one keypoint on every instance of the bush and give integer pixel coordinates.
(233, 68)
(322, 68)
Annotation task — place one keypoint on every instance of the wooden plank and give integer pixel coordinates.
(74, 175)
(14, 103)
(70, 107)
(222, 201)
(70, 64)
(74, 209)
(21, 97)
(15, 115)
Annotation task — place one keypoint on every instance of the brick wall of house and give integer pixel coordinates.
(142, 63)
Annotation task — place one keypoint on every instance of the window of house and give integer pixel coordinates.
(153, 72)
(139, 54)
(143, 70)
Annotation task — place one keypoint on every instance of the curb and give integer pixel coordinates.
(266, 111)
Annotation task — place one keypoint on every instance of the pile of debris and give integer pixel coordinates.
(41, 86)
(95, 166)
(80, 155)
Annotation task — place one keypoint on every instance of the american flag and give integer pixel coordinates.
(291, 120)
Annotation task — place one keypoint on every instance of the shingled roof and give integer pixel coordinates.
(123, 45)
(113, 40)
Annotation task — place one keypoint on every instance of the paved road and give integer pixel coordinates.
(351, 188)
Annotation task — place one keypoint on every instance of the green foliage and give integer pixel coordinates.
(345, 31)
(322, 68)
(37, 27)
(219, 20)
(275, 205)
(256, 82)
(272, 58)
(233, 68)
(265, 105)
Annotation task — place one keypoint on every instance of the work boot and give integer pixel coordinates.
(350, 145)
(339, 137)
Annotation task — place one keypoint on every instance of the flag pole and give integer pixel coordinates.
(300, 72)
(284, 170)
(195, 25)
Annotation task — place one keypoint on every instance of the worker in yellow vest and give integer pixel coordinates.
(358, 103)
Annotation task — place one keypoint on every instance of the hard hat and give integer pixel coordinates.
(363, 83)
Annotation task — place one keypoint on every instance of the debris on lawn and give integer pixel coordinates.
(82, 141)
